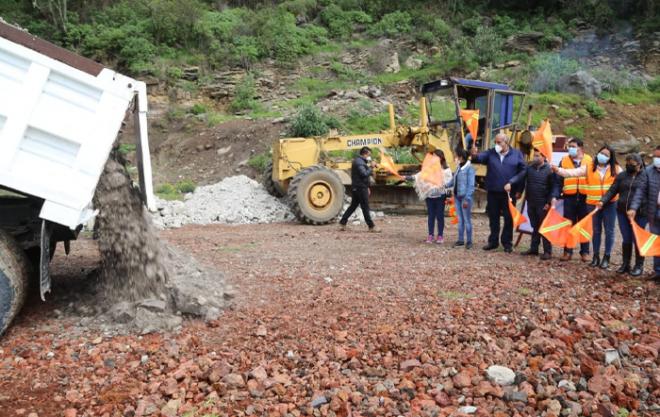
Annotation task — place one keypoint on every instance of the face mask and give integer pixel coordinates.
(498, 148)
(631, 169)
(368, 159)
(572, 152)
(656, 162)
(603, 159)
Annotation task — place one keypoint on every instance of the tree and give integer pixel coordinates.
(56, 10)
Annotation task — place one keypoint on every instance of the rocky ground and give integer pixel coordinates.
(327, 323)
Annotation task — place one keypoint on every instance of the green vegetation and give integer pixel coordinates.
(310, 122)
(595, 110)
(259, 161)
(454, 295)
(244, 96)
(574, 131)
(126, 148)
(170, 192)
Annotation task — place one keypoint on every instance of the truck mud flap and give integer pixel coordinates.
(44, 260)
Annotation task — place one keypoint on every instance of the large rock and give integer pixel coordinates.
(385, 58)
(501, 375)
(581, 83)
(414, 63)
(625, 146)
(529, 42)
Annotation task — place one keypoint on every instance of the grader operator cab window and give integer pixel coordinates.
(495, 103)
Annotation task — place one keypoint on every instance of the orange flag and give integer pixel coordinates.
(555, 228)
(543, 139)
(432, 170)
(517, 216)
(387, 163)
(471, 119)
(582, 231)
(647, 242)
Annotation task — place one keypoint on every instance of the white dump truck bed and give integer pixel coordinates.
(59, 116)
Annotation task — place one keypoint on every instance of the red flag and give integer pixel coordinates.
(517, 216)
(555, 228)
(582, 231)
(432, 170)
(543, 139)
(387, 163)
(647, 242)
(471, 119)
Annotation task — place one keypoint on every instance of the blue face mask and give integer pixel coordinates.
(656, 162)
(603, 159)
(572, 152)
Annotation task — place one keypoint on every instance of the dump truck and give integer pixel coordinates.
(313, 173)
(60, 115)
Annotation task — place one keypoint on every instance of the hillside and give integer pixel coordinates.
(226, 78)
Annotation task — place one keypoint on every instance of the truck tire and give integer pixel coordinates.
(273, 188)
(13, 279)
(316, 195)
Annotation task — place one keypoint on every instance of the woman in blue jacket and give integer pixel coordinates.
(463, 183)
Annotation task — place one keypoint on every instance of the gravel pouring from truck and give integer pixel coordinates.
(60, 114)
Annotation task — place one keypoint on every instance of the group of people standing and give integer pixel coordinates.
(628, 193)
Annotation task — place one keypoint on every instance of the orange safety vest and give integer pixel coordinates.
(575, 184)
(597, 186)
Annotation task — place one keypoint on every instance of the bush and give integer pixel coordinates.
(173, 21)
(309, 122)
(341, 23)
(260, 161)
(616, 81)
(244, 96)
(574, 132)
(548, 69)
(487, 45)
(198, 109)
(185, 186)
(595, 110)
(392, 24)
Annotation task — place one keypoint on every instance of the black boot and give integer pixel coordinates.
(595, 261)
(626, 249)
(639, 265)
(605, 263)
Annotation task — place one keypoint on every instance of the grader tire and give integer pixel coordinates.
(13, 279)
(316, 195)
(271, 186)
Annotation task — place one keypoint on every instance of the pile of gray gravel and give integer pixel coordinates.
(234, 200)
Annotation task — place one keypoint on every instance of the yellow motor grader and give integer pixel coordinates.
(314, 172)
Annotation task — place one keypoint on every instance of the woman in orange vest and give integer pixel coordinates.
(600, 177)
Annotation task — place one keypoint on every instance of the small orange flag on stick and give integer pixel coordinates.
(517, 216)
(471, 119)
(432, 170)
(647, 242)
(452, 210)
(543, 139)
(387, 163)
(555, 228)
(582, 231)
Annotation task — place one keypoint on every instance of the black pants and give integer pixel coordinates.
(498, 205)
(359, 197)
(536, 215)
(575, 208)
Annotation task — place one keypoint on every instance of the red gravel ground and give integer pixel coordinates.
(327, 323)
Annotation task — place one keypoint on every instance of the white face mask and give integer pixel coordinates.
(656, 162)
(498, 148)
(368, 159)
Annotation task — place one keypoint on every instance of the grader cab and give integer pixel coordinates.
(313, 173)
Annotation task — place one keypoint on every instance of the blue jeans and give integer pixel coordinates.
(436, 209)
(575, 208)
(464, 219)
(655, 229)
(604, 217)
(626, 228)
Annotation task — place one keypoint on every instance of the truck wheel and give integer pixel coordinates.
(316, 195)
(13, 279)
(271, 186)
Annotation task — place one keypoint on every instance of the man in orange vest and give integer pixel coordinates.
(574, 192)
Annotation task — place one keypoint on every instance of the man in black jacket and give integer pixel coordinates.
(541, 193)
(649, 193)
(360, 174)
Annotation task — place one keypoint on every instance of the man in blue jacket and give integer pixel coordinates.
(503, 163)
(649, 195)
